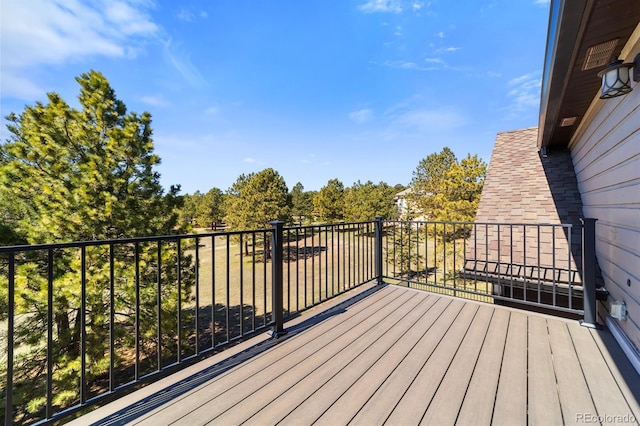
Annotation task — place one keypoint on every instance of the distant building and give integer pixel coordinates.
(407, 209)
(402, 203)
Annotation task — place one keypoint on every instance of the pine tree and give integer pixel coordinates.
(85, 174)
(255, 200)
(328, 203)
(363, 202)
(209, 210)
(445, 189)
(187, 214)
(301, 203)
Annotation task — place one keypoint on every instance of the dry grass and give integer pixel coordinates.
(434, 266)
(316, 267)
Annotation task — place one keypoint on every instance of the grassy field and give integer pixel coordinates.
(316, 266)
(319, 266)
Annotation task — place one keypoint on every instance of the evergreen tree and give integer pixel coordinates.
(255, 200)
(85, 174)
(446, 190)
(366, 201)
(187, 214)
(462, 188)
(301, 203)
(210, 211)
(328, 203)
(428, 183)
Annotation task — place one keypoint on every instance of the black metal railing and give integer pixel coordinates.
(525, 265)
(87, 320)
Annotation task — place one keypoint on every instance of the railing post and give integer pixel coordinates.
(589, 273)
(378, 250)
(8, 410)
(277, 296)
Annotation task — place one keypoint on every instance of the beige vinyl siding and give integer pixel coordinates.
(606, 158)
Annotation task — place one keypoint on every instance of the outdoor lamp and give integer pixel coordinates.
(616, 78)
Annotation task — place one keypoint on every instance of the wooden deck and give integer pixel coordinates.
(394, 355)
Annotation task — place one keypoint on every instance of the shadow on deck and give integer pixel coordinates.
(397, 355)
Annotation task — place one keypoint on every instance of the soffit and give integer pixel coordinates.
(568, 90)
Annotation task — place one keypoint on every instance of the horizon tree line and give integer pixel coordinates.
(70, 174)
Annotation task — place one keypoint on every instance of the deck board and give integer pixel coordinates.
(620, 368)
(326, 363)
(299, 361)
(419, 393)
(398, 356)
(357, 403)
(572, 387)
(542, 389)
(446, 403)
(511, 398)
(227, 381)
(316, 397)
(477, 407)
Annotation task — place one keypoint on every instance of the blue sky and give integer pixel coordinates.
(316, 89)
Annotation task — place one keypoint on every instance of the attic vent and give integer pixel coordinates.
(568, 121)
(599, 55)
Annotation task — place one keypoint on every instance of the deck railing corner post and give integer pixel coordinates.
(378, 250)
(589, 272)
(277, 293)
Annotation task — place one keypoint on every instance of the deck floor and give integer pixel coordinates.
(394, 355)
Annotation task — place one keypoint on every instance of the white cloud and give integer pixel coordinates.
(392, 6)
(440, 34)
(408, 65)
(156, 101)
(542, 2)
(449, 49)
(361, 116)
(250, 160)
(525, 91)
(49, 32)
(371, 6)
(185, 15)
(189, 16)
(434, 60)
(15, 85)
(310, 159)
(181, 61)
(426, 120)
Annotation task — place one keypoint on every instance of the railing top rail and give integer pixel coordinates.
(173, 237)
(564, 225)
(320, 225)
(131, 240)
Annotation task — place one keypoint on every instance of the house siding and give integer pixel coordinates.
(606, 158)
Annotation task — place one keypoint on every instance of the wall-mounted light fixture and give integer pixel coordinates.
(616, 78)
